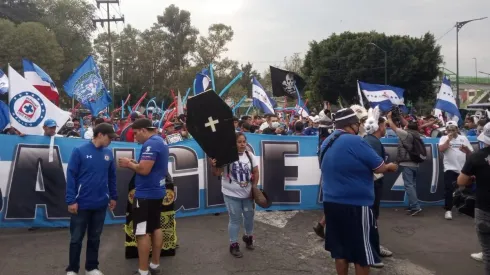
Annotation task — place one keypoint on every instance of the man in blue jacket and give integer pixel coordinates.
(151, 172)
(90, 187)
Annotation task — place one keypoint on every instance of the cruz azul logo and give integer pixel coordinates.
(27, 109)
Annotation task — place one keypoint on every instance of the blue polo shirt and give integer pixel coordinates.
(347, 170)
(152, 186)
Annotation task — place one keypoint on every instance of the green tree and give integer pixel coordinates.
(333, 66)
(19, 11)
(71, 22)
(180, 36)
(32, 41)
(209, 49)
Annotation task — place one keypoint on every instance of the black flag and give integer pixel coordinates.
(210, 122)
(284, 83)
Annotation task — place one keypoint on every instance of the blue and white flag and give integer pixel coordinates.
(202, 82)
(4, 115)
(29, 108)
(260, 98)
(384, 96)
(86, 85)
(4, 83)
(446, 101)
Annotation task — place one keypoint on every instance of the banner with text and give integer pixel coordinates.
(32, 189)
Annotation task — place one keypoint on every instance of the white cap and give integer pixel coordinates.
(485, 134)
(451, 123)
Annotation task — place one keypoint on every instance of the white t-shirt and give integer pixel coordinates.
(454, 159)
(238, 183)
(89, 133)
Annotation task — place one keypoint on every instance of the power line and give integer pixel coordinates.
(445, 33)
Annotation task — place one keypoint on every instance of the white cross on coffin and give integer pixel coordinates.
(211, 123)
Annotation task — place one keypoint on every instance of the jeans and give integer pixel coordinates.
(482, 222)
(409, 175)
(92, 222)
(450, 178)
(240, 211)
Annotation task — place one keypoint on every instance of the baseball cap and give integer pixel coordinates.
(451, 124)
(143, 123)
(50, 123)
(485, 134)
(134, 115)
(105, 129)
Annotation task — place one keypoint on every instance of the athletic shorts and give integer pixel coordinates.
(146, 216)
(351, 233)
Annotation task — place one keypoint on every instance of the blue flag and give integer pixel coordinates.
(446, 101)
(260, 98)
(86, 85)
(384, 96)
(4, 115)
(202, 82)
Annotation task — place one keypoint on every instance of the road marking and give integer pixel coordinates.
(275, 218)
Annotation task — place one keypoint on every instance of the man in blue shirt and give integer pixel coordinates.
(90, 187)
(347, 166)
(151, 171)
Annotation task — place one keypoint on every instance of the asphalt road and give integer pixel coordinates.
(286, 245)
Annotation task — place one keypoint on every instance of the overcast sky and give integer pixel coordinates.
(268, 30)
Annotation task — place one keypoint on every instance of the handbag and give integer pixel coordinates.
(260, 197)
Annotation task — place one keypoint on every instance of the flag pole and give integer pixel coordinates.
(239, 103)
(211, 72)
(249, 107)
(184, 101)
(238, 77)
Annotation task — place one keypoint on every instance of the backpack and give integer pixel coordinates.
(229, 166)
(418, 154)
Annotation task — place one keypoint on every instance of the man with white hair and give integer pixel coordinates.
(477, 167)
(455, 148)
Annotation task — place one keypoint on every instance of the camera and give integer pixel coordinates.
(396, 114)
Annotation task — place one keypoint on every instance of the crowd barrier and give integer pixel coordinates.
(32, 189)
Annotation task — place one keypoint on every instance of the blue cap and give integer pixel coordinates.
(50, 123)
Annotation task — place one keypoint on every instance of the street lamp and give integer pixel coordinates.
(386, 61)
(476, 69)
(459, 25)
(487, 74)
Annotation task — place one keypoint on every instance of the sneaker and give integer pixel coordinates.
(415, 212)
(249, 242)
(235, 250)
(378, 265)
(319, 230)
(383, 252)
(71, 273)
(448, 215)
(477, 256)
(93, 272)
(155, 271)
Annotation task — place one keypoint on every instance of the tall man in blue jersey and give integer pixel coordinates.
(151, 171)
(90, 187)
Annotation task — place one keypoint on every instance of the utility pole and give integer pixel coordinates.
(111, 56)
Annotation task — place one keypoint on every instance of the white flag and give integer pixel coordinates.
(180, 106)
(29, 108)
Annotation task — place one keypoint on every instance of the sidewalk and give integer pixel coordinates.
(423, 245)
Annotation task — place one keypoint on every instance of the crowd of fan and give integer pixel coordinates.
(270, 124)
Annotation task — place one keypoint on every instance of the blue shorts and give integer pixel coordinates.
(351, 233)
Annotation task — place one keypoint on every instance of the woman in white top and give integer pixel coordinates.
(236, 184)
